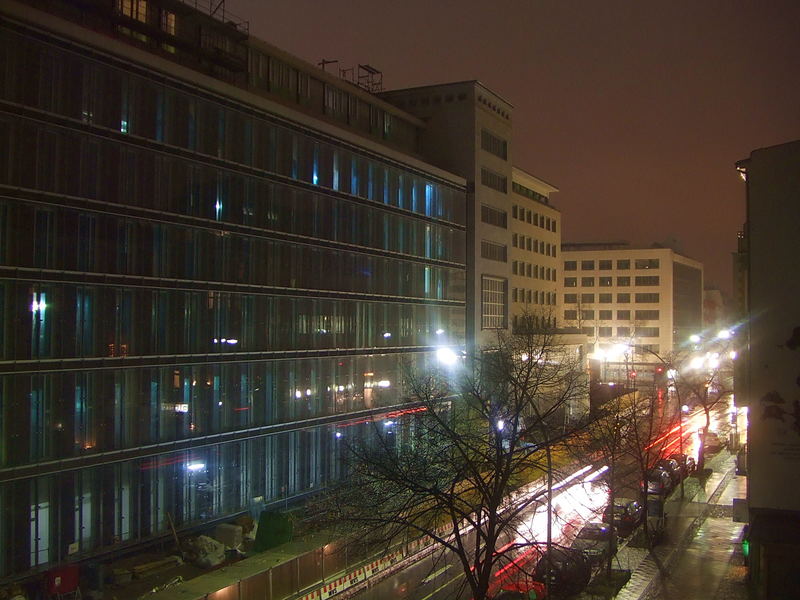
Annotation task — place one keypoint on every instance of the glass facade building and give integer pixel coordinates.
(199, 296)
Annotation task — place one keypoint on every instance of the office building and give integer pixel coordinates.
(649, 300)
(535, 259)
(468, 131)
(766, 375)
(213, 259)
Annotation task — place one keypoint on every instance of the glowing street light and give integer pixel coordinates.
(446, 356)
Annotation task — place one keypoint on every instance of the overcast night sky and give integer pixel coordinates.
(635, 110)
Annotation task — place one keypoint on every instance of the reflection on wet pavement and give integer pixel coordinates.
(700, 571)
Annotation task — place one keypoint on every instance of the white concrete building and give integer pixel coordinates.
(647, 298)
(535, 251)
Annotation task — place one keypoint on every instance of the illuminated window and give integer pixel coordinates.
(168, 27)
(493, 303)
(135, 9)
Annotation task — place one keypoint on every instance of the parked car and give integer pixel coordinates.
(687, 463)
(593, 540)
(672, 467)
(658, 481)
(711, 442)
(628, 514)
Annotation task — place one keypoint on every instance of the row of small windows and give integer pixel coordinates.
(527, 296)
(608, 315)
(529, 322)
(494, 145)
(494, 216)
(494, 107)
(532, 217)
(640, 280)
(622, 332)
(525, 242)
(492, 251)
(606, 265)
(529, 193)
(112, 99)
(494, 180)
(607, 298)
(427, 100)
(524, 269)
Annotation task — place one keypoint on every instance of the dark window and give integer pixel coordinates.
(647, 298)
(588, 331)
(570, 298)
(647, 331)
(587, 298)
(606, 298)
(587, 265)
(623, 264)
(570, 315)
(494, 180)
(605, 281)
(604, 265)
(646, 263)
(624, 315)
(623, 298)
(492, 251)
(493, 216)
(623, 331)
(570, 281)
(494, 145)
(587, 281)
(604, 331)
(647, 280)
(606, 315)
(587, 315)
(623, 281)
(646, 315)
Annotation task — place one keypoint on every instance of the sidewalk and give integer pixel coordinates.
(702, 557)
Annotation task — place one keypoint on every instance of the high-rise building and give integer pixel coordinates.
(213, 259)
(648, 299)
(767, 381)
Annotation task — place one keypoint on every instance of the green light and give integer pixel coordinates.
(746, 548)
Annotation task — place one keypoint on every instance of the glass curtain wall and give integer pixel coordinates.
(198, 302)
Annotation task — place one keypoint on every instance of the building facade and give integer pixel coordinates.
(650, 299)
(468, 131)
(766, 376)
(535, 247)
(213, 260)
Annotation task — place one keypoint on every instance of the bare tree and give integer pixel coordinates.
(701, 380)
(463, 473)
(607, 431)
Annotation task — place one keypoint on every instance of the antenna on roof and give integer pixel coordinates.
(324, 63)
